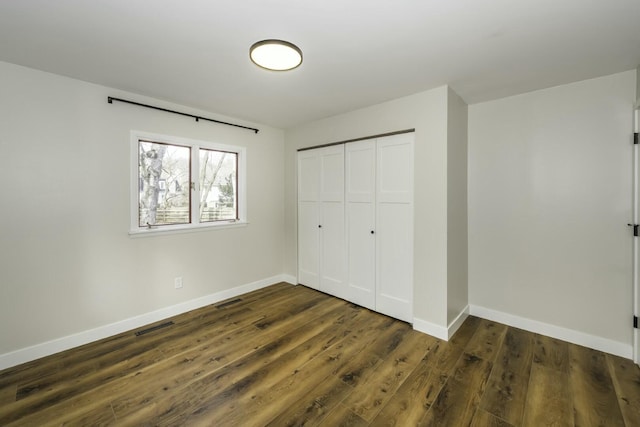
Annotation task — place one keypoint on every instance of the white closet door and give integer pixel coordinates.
(309, 219)
(394, 226)
(332, 221)
(360, 160)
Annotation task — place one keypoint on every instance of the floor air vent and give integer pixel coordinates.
(154, 328)
(228, 303)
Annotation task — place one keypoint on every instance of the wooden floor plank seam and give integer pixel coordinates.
(527, 393)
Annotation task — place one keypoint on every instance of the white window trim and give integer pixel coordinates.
(136, 231)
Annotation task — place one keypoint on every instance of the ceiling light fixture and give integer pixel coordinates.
(276, 55)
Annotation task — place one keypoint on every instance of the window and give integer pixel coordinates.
(180, 184)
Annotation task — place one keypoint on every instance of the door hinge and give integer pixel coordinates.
(635, 229)
(635, 322)
(635, 138)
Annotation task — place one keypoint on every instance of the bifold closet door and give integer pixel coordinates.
(360, 162)
(394, 226)
(321, 220)
(355, 222)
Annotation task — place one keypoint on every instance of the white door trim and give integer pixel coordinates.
(636, 288)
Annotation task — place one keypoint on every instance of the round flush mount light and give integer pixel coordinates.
(276, 55)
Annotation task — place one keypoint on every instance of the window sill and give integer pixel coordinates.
(188, 228)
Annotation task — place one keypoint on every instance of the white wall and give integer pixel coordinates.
(549, 199)
(427, 113)
(67, 264)
(637, 85)
(457, 244)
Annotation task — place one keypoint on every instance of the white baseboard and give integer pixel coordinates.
(575, 337)
(432, 329)
(37, 351)
(438, 331)
(457, 322)
(292, 280)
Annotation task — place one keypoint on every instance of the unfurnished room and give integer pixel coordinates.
(336, 213)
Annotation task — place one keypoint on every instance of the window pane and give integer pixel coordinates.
(164, 190)
(218, 185)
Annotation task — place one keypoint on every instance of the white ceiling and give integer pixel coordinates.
(356, 52)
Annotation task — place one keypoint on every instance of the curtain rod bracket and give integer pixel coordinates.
(110, 100)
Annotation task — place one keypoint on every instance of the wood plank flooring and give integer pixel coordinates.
(290, 356)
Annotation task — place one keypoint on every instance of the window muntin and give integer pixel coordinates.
(180, 184)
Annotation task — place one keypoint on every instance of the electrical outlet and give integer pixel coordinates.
(177, 282)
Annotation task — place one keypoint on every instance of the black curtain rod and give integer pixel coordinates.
(110, 100)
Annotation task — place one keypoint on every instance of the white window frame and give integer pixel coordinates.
(195, 225)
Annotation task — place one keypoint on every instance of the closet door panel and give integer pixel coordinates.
(332, 174)
(333, 253)
(394, 226)
(395, 169)
(360, 162)
(308, 245)
(308, 219)
(333, 262)
(361, 254)
(308, 176)
(394, 263)
(361, 171)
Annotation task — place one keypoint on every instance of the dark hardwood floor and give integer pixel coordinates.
(291, 356)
